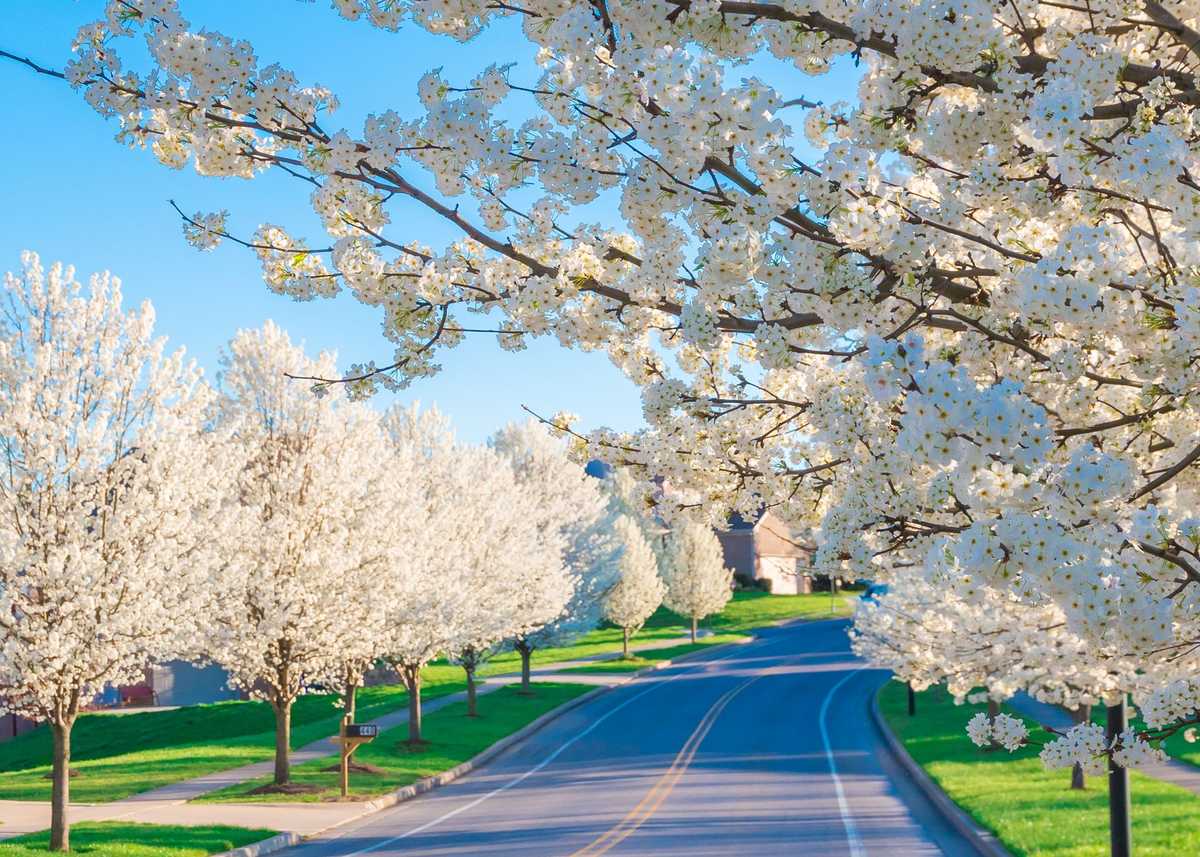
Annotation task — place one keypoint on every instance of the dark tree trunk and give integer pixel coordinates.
(526, 652)
(624, 642)
(60, 788)
(993, 709)
(472, 708)
(1082, 714)
(412, 680)
(693, 629)
(912, 699)
(283, 741)
(525, 671)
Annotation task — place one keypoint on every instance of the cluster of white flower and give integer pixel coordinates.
(205, 231)
(1003, 730)
(1083, 745)
(1087, 745)
(965, 336)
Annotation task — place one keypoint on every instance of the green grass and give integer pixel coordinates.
(453, 738)
(750, 610)
(121, 755)
(649, 658)
(119, 839)
(118, 756)
(1031, 810)
(746, 611)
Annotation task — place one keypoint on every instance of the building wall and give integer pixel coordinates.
(738, 546)
(11, 726)
(181, 683)
(782, 572)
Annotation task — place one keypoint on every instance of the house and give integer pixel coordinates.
(182, 683)
(764, 548)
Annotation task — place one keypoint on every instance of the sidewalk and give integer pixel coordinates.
(1171, 771)
(169, 804)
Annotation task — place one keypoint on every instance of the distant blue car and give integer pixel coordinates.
(873, 591)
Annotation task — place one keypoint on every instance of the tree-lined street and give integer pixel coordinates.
(729, 304)
(728, 754)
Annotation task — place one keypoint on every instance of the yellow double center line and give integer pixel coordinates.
(658, 793)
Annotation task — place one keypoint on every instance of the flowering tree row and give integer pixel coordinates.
(293, 540)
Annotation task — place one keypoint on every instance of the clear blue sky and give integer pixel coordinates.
(71, 193)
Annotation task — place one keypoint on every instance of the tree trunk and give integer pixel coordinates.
(993, 709)
(625, 642)
(526, 657)
(1082, 714)
(412, 680)
(693, 629)
(912, 700)
(472, 709)
(283, 742)
(60, 788)
(349, 699)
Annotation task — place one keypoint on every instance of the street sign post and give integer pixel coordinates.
(351, 737)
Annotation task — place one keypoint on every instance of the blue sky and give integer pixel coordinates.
(71, 193)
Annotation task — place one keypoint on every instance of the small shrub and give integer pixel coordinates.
(743, 581)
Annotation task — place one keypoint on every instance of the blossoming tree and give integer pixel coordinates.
(112, 501)
(697, 582)
(480, 568)
(991, 646)
(312, 505)
(571, 506)
(639, 590)
(954, 322)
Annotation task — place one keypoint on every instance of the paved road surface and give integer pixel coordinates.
(765, 748)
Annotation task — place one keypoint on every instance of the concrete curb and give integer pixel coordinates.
(426, 784)
(265, 846)
(984, 841)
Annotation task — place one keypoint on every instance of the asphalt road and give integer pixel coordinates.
(765, 748)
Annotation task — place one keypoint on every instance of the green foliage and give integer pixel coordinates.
(121, 839)
(1033, 811)
(453, 738)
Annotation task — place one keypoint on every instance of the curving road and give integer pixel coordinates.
(764, 748)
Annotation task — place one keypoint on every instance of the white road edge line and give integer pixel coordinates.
(852, 838)
(526, 774)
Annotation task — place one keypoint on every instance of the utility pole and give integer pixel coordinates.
(1120, 834)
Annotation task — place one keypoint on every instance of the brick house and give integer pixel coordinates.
(764, 548)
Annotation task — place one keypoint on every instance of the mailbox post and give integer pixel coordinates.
(353, 736)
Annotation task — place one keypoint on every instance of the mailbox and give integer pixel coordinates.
(361, 730)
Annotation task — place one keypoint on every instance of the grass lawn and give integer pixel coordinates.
(746, 611)
(653, 656)
(119, 839)
(121, 755)
(1033, 811)
(453, 738)
(750, 610)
